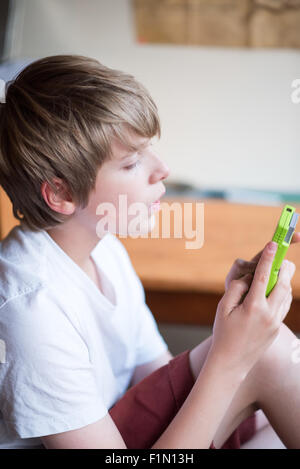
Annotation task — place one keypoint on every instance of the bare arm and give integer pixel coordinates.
(193, 427)
(244, 327)
(102, 434)
(142, 371)
(198, 419)
(241, 334)
(200, 398)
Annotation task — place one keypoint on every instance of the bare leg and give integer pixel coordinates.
(265, 437)
(243, 404)
(278, 388)
(272, 385)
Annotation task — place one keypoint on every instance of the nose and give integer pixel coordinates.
(160, 171)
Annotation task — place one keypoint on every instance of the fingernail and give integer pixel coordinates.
(272, 246)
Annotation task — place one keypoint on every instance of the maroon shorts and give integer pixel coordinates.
(147, 409)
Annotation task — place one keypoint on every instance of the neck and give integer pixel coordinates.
(76, 241)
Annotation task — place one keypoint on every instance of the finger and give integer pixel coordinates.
(262, 273)
(296, 237)
(286, 306)
(242, 268)
(257, 257)
(282, 287)
(246, 266)
(235, 272)
(239, 269)
(236, 291)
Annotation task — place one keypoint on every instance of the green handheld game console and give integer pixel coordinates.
(282, 236)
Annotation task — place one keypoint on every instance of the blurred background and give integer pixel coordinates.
(220, 71)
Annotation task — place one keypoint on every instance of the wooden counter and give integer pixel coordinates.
(185, 285)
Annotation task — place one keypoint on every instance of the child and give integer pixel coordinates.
(85, 365)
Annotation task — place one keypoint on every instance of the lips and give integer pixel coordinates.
(158, 200)
(155, 206)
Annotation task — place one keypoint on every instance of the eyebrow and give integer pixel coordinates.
(139, 147)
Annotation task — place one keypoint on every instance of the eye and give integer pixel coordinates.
(132, 166)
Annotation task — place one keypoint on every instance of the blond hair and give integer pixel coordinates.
(60, 117)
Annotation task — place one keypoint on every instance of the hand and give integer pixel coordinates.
(244, 328)
(241, 267)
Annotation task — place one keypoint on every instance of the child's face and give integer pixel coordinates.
(127, 179)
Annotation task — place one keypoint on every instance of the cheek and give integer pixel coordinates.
(131, 190)
(99, 199)
(110, 204)
(119, 198)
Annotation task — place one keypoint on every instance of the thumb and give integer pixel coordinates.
(236, 292)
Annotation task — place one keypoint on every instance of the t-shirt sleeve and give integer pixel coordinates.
(47, 381)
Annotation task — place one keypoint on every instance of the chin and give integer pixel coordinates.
(135, 228)
(142, 228)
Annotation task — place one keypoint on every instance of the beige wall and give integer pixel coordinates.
(227, 115)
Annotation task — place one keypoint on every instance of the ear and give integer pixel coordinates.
(58, 200)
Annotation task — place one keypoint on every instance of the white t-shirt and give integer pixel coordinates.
(67, 351)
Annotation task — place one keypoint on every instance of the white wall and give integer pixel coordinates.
(227, 116)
